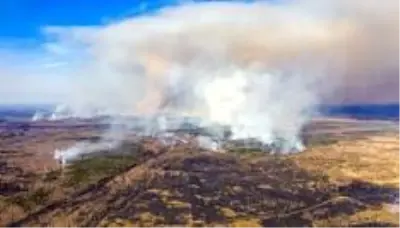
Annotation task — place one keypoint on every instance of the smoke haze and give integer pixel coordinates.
(352, 45)
(223, 59)
(261, 68)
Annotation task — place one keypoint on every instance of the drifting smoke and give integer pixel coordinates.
(62, 112)
(260, 68)
(81, 149)
(38, 116)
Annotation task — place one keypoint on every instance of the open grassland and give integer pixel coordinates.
(344, 178)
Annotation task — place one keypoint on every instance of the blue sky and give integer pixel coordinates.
(22, 19)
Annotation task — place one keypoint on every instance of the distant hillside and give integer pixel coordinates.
(362, 111)
(368, 111)
(21, 112)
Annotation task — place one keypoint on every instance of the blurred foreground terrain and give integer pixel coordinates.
(348, 176)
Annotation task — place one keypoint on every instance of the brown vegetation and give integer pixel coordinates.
(351, 181)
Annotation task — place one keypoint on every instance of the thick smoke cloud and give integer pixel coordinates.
(261, 67)
(352, 44)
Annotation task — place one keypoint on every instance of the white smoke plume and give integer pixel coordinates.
(259, 67)
(38, 116)
(81, 149)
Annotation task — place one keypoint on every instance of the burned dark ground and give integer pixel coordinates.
(347, 176)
